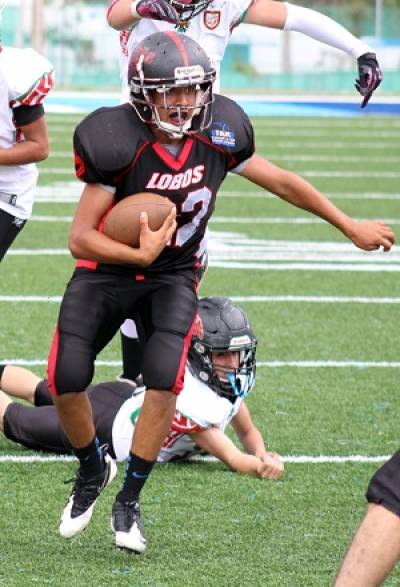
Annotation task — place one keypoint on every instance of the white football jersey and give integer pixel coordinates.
(197, 408)
(25, 79)
(211, 28)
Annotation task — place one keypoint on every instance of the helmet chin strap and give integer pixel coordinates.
(172, 130)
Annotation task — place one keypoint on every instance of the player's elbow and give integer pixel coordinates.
(76, 244)
(116, 20)
(41, 151)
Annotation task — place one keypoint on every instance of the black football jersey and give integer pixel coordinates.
(115, 148)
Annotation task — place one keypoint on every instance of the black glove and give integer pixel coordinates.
(370, 76)
(157, 10)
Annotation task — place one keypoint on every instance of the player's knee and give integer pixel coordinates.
(164, 361)
(70, 379)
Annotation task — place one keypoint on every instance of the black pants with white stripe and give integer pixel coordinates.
(10, 227)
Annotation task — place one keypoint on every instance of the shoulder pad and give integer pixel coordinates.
(231, 129)
(29, 76)
(109, 137)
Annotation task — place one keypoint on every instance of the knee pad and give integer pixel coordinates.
(69, 370)
(164, 361)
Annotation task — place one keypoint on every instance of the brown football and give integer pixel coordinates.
(122, 222)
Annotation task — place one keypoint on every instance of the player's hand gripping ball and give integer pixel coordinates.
(122, 223)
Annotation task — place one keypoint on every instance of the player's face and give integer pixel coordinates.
(176, 105)
(223, 362)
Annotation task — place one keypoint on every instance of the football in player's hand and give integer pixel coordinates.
(122, 223)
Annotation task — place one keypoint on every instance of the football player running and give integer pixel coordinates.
(176, 140)
(211, 22)
(25, 80)
(220, 374)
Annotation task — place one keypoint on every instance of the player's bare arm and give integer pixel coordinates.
(85, 241)
(34, 147)
(248, 434)
(19, 382)
(367, 235)
(215, 442)
(272, 466)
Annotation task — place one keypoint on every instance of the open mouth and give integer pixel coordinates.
(179, 117)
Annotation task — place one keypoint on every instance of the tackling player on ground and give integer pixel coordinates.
(175, 140)
(219, 376)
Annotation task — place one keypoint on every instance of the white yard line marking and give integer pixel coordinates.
(303, 172)
(295, 459)
(285, 157)
(70, 191)
(283, 220)
(241, 299)
(237, 251)
(327, 132)
(350, 364)
(232, 220)
(279, 266)
(320, 145)
(43, 218)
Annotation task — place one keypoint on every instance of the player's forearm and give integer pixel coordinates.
(301, 194)
(253, 442)
(96, 246)
(244, 463)
(122, 14)
(24, 152)
(19, 382)
(323, 29)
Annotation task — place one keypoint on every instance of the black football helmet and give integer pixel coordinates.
(163, 61)
(223, 327)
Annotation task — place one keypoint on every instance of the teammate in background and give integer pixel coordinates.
(203, 410)
(25, 80)
(210, 23)
(175, 140)
(375, 549)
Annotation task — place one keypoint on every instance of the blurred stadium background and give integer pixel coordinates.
(84, 50)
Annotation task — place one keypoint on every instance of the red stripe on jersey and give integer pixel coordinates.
(168, 159)
(178, 385)
(51, 363)
(92, 265)
(182, 423)
(180, 46)
(36, 93)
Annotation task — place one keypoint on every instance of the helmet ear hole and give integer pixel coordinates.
(222, 327)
